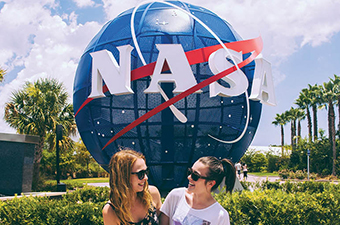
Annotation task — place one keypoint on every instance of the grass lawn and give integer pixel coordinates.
(264, 174)
(87, 180)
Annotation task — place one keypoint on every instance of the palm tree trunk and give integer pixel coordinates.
(315, 122)
(309, 120)
(292, 134)
(299, 131)
(36, 163)
(295, 139)
(339, 112)
(282, 140)
(331, 131)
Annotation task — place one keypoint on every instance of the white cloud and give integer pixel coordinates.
(84, 3)
(47, 46)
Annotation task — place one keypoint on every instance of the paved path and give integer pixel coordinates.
(252, 178)
(41, 194)
(99, 184)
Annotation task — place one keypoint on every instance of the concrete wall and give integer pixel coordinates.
(16, 163)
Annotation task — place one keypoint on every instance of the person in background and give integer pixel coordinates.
(238, 168)
(195, 204)
(245, 171)
(131, 200)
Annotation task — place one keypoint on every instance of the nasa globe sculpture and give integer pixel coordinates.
(174, 82)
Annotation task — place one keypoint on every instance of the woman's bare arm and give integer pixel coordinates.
(156, 198)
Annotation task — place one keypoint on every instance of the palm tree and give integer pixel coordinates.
(36, 110)
(300, 115)
(329, 98)
(336, 82)
(280, 119)
(304, 102)
(291, 117)
(315, 98)
(2, 74)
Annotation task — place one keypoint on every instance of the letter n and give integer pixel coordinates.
(116, 77)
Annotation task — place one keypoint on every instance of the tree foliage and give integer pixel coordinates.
(2, 74)
(75, 162)
(323, 150)
(36, 109)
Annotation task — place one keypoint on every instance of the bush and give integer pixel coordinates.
(309, 203)
(88, 194)
(273, 163)
(271, 203)
(300, 175)
(284, 174)
(50, 185)
(313, 176)
(82, 206)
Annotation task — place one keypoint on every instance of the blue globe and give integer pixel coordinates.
(170, 146)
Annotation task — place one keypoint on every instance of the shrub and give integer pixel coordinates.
(284, 174)
(88, 194)
(313, 176)
(273, 163)
(271, 203)
(273, 206)
(52, 185)
(82, 206)
(299, 174)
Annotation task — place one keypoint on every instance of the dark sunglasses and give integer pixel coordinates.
(141, 174)
(194, 175)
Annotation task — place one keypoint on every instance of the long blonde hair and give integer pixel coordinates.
(120, 187)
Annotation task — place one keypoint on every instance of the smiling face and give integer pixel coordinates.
(137, 184)
(201, 185)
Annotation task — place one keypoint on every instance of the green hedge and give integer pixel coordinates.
(83, 206)
(292, 187)
(270, 203)
(296, 203)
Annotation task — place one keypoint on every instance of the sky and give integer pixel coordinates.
(46, 38)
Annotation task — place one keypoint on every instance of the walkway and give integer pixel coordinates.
(253, 178)
(41, 194)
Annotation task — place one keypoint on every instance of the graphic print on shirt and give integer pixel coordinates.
(190, 220)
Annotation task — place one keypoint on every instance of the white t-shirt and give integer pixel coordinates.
(238, 166)
(180, 213)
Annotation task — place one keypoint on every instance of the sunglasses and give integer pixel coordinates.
(194, 175)
(141, 174)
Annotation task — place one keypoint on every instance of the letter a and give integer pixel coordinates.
(263, 86)
(116, 77)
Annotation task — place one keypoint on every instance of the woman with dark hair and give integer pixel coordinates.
(132, 200)
(195, 204)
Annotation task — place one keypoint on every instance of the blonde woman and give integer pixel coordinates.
(132, 200)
